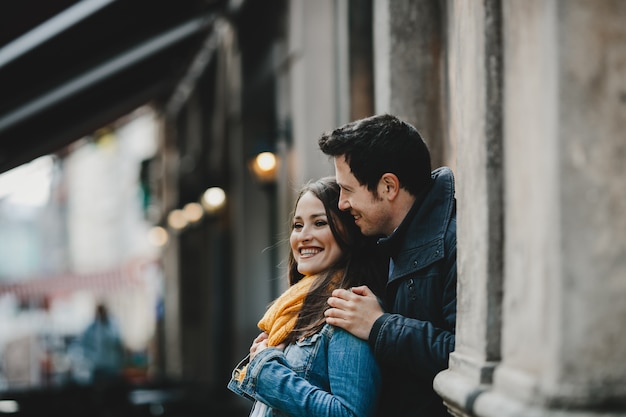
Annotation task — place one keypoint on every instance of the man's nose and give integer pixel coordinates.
(343, 204)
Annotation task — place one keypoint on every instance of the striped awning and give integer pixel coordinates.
(102, 282)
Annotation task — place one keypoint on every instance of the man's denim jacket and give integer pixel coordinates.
(331, 373)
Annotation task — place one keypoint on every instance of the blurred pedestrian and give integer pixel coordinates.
(102, 347)
(102, 353)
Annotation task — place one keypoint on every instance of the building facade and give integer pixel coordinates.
(523, 99)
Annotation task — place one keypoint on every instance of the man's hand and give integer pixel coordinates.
(354, 311)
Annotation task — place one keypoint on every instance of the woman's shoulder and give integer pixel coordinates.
(339, 335)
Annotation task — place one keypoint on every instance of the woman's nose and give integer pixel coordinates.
(305, 234)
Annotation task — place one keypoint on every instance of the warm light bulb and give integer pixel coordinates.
(213, 199)
(176, 219)
(266, 161)
(264, 167)
(193, 212)
(157, 236)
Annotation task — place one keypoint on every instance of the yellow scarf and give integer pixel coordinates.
(280, 318)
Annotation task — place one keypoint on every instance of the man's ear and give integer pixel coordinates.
(389, 186)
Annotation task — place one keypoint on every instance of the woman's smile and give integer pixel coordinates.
(308, 252)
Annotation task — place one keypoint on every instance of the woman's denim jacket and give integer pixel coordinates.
(331, 373)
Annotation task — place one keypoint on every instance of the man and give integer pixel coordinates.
(383, 167)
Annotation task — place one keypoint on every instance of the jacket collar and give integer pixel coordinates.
(391, 243)
(418, 241)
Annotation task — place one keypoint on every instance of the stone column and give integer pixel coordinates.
(361, 58)
(474, 74)
(172, 333)
(408, 68)
(563, 339)
(314, 30)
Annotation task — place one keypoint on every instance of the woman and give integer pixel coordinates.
(299, 365)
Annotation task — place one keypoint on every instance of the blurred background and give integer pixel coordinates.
(150, 152)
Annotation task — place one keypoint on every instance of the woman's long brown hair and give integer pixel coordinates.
(358, 265)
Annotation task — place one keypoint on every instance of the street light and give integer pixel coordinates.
(264, 166)
(193, 212)
(213, 199)
(176, 219)
(158, 236)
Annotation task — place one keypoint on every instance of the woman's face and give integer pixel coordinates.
(312, 242)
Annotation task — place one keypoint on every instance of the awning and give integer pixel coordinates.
(69, 67)
(123, 278)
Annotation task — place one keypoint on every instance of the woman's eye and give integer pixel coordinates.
(321, 223)
(297, 226)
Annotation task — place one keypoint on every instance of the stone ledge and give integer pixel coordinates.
(458, 392)
(464, 398)
(494, 404)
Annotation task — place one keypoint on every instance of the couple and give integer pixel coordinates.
(370, 314)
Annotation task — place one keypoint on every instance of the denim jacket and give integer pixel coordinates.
(331, 373)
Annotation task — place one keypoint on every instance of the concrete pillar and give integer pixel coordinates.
(312, 46)
(563, 312)
(173, 361)
(474, 74)
(361, 58)
(563, 340)
(408, 68)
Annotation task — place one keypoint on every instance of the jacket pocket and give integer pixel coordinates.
(300, 354)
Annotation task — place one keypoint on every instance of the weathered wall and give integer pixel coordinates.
(556, 344)
(408, 68)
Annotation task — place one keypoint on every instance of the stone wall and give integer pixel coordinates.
(541, 208)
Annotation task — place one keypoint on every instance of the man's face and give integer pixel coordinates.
(371, 213)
